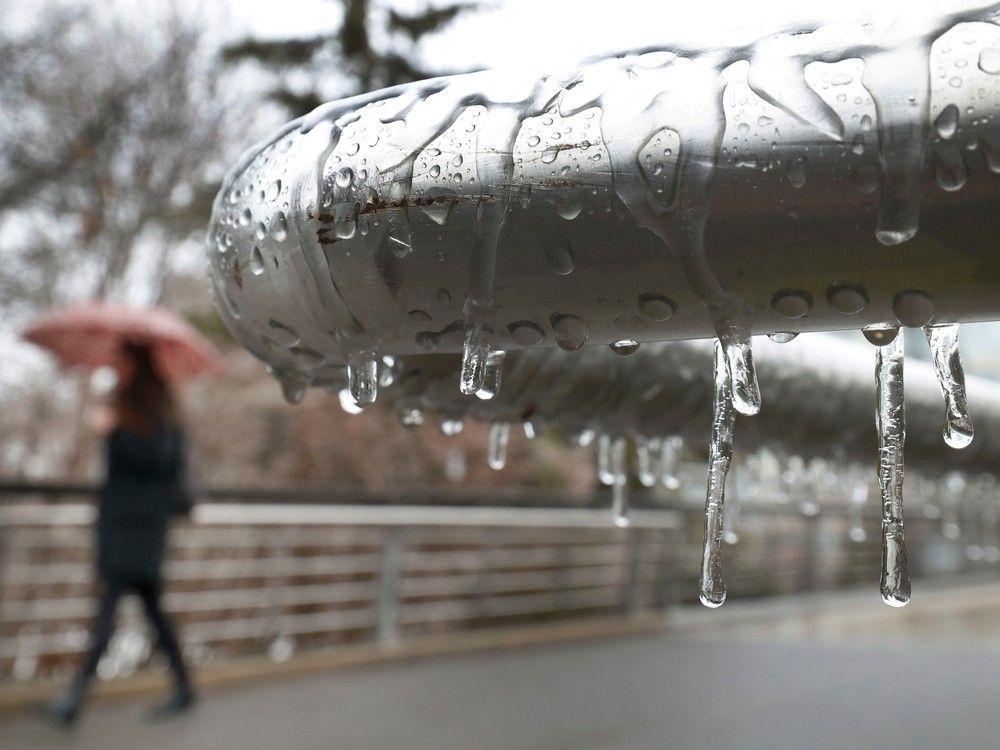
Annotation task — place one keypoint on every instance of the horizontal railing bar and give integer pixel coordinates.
(35, 514)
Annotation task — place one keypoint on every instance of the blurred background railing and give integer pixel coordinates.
(273, 574)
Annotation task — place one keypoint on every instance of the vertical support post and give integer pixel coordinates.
(810, 561)
(672, 580)
(387, 607)
(632, 594)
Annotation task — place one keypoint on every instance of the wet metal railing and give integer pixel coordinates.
(283, 573)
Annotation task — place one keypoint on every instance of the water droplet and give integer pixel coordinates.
(989, 61)
(560, 256)
(496, 452)
(782, 337)
(492, 376)
(284, 335)
(293, 389)
(533, 140)
(865, 178)
(435, 171)
(362, 377)
(913, 308)
(347, 402)
(625, 347)
(880, 335)
(549, 155)
(256, 262)
(946, 122)
(344, 177)
(571, 332)
(656, 306)
(791, 303)
(712, 587)
(891, 237)
(279, 226)
(525, 333)
(797, 172)
(273, 191)
(261, 231)
(943, 341)
(847, 298)
(890, 423)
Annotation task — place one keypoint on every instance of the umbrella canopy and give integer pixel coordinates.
(92, 335)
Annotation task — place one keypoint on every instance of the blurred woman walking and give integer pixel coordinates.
(142, 490)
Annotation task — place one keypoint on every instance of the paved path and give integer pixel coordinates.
(674, 691)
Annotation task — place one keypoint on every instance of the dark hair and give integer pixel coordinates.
(144, 400)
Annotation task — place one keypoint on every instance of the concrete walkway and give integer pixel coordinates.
(697, 686)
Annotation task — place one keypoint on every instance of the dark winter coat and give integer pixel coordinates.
(136, 502)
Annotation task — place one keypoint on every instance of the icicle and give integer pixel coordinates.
(943, 341)
(496, 455)
(643, 461)
(859, 497)
(493, 370)
(745, 391)
(670, 458)
(619, 487)
(720, 453)
(604, 474)
(890, 422)
(362, 377)
(474, 355)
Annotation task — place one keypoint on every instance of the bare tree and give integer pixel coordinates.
(106, 147)
(113, 138)
(349, 49)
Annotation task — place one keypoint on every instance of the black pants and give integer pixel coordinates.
(104, 627)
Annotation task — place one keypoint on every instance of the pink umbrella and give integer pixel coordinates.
(92, 335)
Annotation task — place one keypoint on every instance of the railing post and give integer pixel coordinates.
(390, 570)
(632, 595)
(810, 562)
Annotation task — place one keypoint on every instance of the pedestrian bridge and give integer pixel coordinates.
(814, 670)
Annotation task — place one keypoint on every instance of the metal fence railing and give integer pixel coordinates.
(276, 573)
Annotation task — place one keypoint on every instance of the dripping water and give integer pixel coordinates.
(496, 454)
(362, 377)
(670, 459)
(492, 372)
(604, 473)
(619, 486)
(720, 453)
(644, 451)
(943, 340)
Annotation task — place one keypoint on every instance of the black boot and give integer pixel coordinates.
(181, 699)
(64, 712)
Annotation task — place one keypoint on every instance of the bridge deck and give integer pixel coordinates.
(697, 686)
